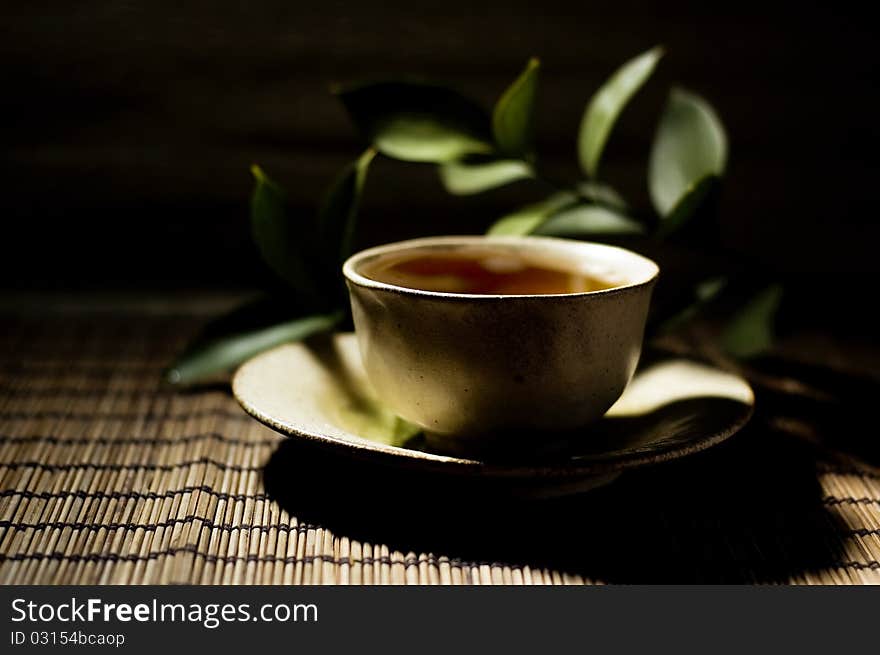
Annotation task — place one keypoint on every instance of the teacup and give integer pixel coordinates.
(468, 367)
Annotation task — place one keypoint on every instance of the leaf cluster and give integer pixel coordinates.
(473, 151)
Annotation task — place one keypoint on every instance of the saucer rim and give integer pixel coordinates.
(398, 456)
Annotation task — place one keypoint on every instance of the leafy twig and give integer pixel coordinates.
(474, 151)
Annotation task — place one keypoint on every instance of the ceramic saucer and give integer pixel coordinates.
(317, 391)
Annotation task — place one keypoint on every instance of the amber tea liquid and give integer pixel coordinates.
(488, 272)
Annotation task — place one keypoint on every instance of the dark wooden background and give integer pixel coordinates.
(128, 126)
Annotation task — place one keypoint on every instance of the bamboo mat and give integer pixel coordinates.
(105, 477)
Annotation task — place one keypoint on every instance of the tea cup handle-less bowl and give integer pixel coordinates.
(467, 368)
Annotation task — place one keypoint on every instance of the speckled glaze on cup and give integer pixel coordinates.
(476, 367)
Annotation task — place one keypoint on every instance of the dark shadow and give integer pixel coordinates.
(747, 510)
(220, 385)
(838, 406)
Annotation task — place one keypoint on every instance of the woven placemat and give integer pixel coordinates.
(105, 477)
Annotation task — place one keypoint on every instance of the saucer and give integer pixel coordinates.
(317, 392)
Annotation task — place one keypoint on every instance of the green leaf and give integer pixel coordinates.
(708, 290)
(415, 121)
(337, 216)
(372, 420)
(602, 194)
(513, 120)
(750, 332)
(607, 104)
(704, 293)
(465, 178)
(687, 205)
(586, 221)
(238, 337)
(688, 156)
(282, 244)
(354, 404)
(527, 219)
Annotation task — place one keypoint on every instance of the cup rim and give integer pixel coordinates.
(349, 267)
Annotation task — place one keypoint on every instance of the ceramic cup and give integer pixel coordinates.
(469, 367)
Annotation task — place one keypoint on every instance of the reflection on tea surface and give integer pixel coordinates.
(487, 272)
